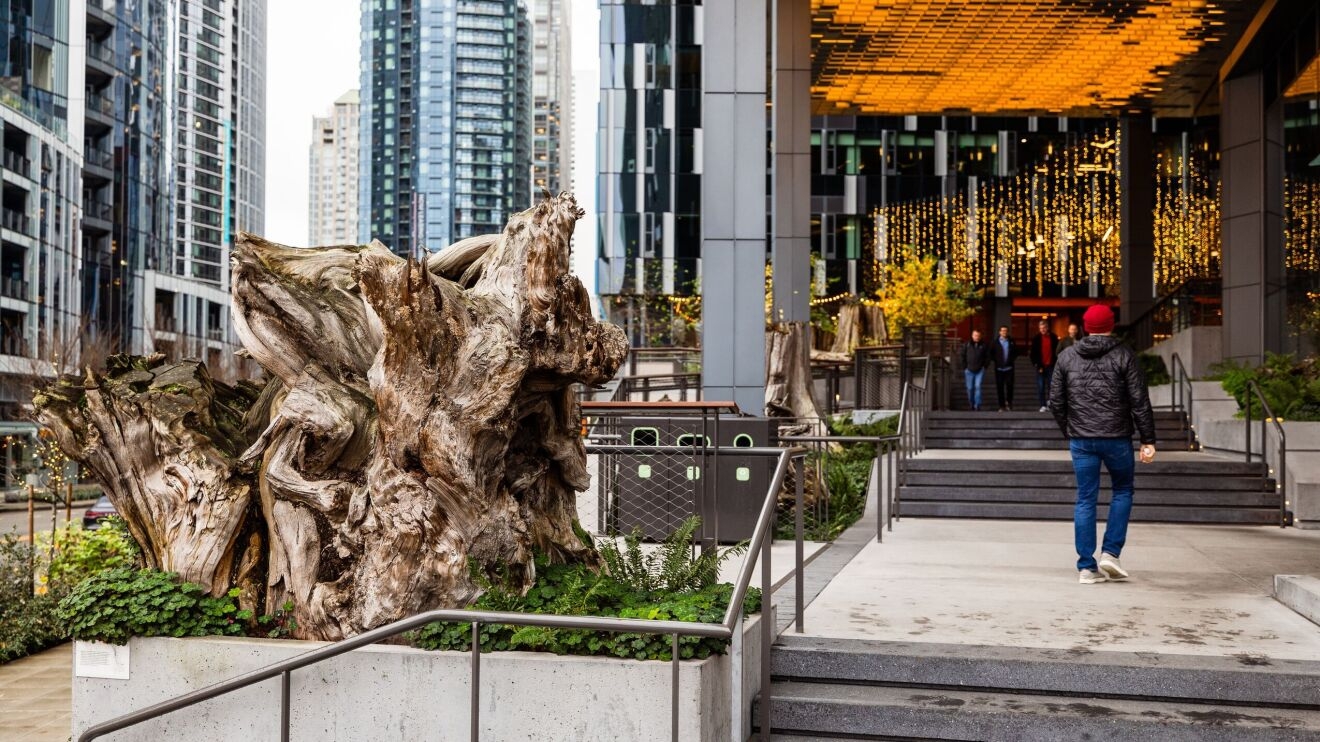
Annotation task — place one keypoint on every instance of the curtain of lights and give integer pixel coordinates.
(1187, 221)
(1054, 223)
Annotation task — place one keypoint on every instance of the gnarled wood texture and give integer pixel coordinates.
(420, 418)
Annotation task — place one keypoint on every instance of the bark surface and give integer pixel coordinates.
(419, 425)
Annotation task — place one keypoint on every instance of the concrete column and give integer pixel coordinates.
(1136, 166)
(1253, 267)
(791, 144)
(733, 202)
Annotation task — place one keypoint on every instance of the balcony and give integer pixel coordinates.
(14, 288)
(166, 323)
(100, 61)
(17, 163)
(100, 113)
(16, 222)
(12, 344)
(96, 216)
(98, 165)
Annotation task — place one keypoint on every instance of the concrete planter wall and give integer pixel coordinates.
(1219, 431)
(400, 693)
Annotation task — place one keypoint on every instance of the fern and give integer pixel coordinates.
(672, 567)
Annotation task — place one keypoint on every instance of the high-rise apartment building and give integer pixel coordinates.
(127, 164)
(552, 98)
(333, 166)
(445, 133)
(219, 124)
(41, 130)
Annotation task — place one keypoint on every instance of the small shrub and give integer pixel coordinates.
(27, 616)
(118, 604)
(847, 471)
(1290, 387)
(1153, 369)
(672, 568)
(80, 553)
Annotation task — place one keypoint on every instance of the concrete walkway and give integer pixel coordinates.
(36, 697)
(1194, 589)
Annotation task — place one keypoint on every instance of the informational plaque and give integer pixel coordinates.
(99, 660)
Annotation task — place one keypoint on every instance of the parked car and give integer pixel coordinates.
(98, 512)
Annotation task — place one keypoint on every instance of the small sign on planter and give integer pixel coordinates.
(100, 660)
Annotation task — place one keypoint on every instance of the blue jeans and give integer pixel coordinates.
(1043, 385)
(973, 379)
(1087, 455)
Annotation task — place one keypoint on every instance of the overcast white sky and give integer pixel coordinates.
(312, 50)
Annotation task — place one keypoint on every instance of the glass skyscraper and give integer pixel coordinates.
(127, 145)
(446, 109)
(649, 163)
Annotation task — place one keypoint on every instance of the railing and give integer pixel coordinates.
(684, 360)
(1182, 398)
(16, 221)
(96, 210)
(17, 163)
(13, 345)
(99, 51)
(880, 372)
(14, 288)
(98, 157)
(683, 383)
(1193, 303)
(833, 373)
(731, 624)
(1281, 482)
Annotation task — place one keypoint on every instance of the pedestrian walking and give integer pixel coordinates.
(1003, 353)
(975, 357)
(1074, 334)
(1097, 396)
(1044, 352)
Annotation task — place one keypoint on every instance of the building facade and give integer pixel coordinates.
(445, 132)
(650, 142)
(333, 175)
(552, 98)
(127, 164)
(218, 177)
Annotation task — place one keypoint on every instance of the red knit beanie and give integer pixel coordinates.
(1098, 319)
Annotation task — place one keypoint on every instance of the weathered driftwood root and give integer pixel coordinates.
(163, 439)
(420, 422)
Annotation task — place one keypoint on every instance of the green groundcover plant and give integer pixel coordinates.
(671, 583)
(1291, 387)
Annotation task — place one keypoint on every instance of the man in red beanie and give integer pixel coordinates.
(1097, 396)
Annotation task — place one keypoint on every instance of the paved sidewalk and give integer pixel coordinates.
(1194, 589)
(36, 697)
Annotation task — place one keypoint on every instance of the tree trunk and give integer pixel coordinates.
(849, 332)
(421, 422)
(788, 382)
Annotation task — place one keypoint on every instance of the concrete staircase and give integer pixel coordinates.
(1176, 488)
(1024, 388)
(1029, 430)
(851, 689)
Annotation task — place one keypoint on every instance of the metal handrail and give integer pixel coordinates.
(723, 630)
(1267, 414)
(1182, 382)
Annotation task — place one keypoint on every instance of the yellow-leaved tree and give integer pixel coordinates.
(916, 295)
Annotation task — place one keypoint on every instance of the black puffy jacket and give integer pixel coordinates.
(1098, 391)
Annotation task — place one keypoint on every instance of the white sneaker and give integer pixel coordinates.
(1110, 567)
(1091, 577)
(1043, 408)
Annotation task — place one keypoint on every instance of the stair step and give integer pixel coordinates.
(1061, 481)
(1061, 511)
(1242, 679)
(950, 714)
(1188, 465)
(1061, 495)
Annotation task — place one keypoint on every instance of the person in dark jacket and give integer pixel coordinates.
(975, 357)
(1074, 334)
(1097, 396)
(1044, 352)
(1003, 353)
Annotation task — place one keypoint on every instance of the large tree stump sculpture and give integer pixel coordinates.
(419, 423)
